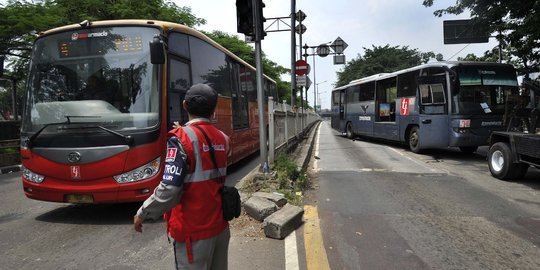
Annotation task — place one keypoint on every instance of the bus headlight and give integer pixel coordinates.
(31, 176)
(144, 172)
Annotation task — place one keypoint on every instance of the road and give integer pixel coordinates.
(43, 235)
(383, 207)
(378, 206)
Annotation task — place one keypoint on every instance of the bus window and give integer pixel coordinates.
(407, 84)
(210, 67)
(335, 98)
(367, 91)
(386, 99)
(353, 94)
(178, 44)
(179, 82)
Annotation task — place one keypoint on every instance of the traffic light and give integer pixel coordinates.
(260, 23)
(244, 17)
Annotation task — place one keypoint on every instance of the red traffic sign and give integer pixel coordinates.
(302, 67)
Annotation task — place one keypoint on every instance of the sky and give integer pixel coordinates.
(361, 24)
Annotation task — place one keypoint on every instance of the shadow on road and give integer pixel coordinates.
(479, 157)
(103, 214)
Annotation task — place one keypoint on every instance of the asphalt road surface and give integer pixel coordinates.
(383, 207)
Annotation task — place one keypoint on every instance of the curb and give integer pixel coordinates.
(10, 169)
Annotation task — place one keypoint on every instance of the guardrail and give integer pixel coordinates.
(286, 125)
(10, 152)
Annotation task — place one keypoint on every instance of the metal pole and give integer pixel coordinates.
(260, 94)
(315, 84)
(14, 100)
(293, 53)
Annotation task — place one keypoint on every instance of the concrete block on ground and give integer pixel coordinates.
(281, 223)
(279, 200)
(259, 208)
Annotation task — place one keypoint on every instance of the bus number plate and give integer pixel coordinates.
(79, 198)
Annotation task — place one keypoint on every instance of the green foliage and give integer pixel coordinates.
(292, 181)
(22, 20)
(514, 21)
(247, 53)
(382, 59)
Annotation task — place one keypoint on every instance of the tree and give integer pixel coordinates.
(22, 20)
(247, 53)
(382, 60)
(514, 22)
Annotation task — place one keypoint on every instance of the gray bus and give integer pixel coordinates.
(435, 105)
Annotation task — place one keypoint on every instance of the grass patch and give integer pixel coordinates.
(291, 180)
(9, 150)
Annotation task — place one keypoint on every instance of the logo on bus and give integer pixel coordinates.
(404, 106)
(171, 155)
(75, 172)
(74, 157)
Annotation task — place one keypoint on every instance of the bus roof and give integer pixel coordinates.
(163, 25)
(448, 64)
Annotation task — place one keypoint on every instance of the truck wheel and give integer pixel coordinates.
(500, 162)
(414, 140)
(348, 130)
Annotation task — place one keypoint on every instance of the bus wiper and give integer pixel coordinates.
(127, 138)
(35, 135)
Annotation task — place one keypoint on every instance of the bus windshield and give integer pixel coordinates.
(483, 89)
(101, 76)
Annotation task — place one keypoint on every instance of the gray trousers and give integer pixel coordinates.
(208, 254)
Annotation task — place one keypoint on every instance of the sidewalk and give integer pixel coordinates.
(10, 169)
(249, 247)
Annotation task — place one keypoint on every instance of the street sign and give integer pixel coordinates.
(308, 82)
(302, 67)
(464, 32)
(339, 45)
(339, 59)
(300, 29)
(300, 16)
(323, 50)
(301, 80)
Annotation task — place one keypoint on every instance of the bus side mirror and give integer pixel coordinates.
(2, 65)
(157, 51)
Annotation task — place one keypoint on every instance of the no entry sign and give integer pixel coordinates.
(302, 68)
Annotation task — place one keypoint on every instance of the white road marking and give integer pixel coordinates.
(291, 252)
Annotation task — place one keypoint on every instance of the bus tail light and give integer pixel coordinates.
(464, 123)
(31, 176)
(144, 172)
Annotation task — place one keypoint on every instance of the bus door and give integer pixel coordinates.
(433, 111)
(338, 110)
(385, 112)
(178, 84)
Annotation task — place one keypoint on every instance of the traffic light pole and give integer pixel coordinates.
(260, 94)
(293, 53)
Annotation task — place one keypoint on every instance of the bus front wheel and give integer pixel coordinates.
(414, 140)
(349, 131)
(501, 165)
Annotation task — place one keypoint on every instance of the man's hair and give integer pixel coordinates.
(201, 100)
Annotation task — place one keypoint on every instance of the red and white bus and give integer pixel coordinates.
(101, 96)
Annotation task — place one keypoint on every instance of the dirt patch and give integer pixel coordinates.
(245, 226)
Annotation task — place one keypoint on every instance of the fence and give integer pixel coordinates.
(9, 143)
(286, 125)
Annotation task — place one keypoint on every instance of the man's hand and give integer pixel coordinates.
(176, 124)
(137, 223)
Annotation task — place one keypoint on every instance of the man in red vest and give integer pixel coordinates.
(189, 192)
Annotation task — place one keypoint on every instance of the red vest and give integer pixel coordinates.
(199, 214)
